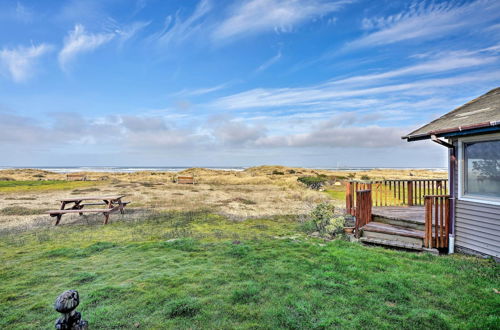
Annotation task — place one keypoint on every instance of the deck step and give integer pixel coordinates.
(380, 227)
(391, 243)
(383, 232)
(409, 217)
(411, 224)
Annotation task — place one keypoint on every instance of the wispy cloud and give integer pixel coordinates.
(435, 63)
(201, 91)
(80, 41)
(269, 62)
(256, 16)
(24, 13)
(19, 63)
(177, 30)
(373, 85)
(427, 21)
(127, 32)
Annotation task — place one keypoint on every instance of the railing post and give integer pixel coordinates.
(428, 222)
(363, 209)
(348, 197)
(410, 193)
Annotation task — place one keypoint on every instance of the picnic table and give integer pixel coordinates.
(77, 204)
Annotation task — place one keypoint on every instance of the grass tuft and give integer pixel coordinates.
(183, 307)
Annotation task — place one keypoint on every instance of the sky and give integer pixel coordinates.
(313, 83)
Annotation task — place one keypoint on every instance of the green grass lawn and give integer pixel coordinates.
(35, 185)
(183, 270)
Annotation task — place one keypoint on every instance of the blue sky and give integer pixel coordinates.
(237, 83)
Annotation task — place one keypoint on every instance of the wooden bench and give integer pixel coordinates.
(76, 177)
(185, 180)
(105, 212)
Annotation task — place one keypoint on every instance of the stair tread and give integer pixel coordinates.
(380, 227)
(391, 243)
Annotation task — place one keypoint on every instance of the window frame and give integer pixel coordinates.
(461, 169)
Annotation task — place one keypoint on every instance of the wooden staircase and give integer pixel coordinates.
(401, 236)
(409, 227)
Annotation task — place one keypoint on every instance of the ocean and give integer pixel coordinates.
(131, 169)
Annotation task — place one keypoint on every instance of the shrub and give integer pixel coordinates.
(275, 172)
(335, 226)
(322, 215)
(5, 178)
(291, 172)
(313, 182)
(365, 177)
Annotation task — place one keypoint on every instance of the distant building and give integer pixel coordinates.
(472, 132)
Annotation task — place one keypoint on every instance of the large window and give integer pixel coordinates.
(482, 170)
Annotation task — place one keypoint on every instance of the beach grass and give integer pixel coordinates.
(201, 270)
(42, 185)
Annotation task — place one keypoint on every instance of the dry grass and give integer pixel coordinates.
(255, 192)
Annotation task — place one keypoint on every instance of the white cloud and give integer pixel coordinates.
(378, 85)
(424, 21)
(269, 62)
(255, 16)
(177, 30)
(128, 32)
(441, 62)
(80, 41)
(23, 13)
(201, 91)
(335, 137)
(19, 63)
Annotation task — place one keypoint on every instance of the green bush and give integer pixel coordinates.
(335, 226)
(313, 182)
(365, 177)
(322, 215)
(323, 218)
(275, 172)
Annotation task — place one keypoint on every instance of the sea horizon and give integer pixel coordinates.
(131, 169)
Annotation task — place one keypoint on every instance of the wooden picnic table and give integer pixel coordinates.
(76, 205)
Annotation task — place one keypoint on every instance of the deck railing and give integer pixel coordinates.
(363, 209)
(437, 221)
(395, 192)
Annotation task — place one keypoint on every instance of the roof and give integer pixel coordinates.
(479, 115)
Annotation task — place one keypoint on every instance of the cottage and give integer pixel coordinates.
(472, 135)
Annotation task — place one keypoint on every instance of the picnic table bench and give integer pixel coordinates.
(185, 179)
(113, 203)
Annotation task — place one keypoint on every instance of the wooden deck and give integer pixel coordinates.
(406, 213)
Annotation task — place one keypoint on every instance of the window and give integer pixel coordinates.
(481, 170)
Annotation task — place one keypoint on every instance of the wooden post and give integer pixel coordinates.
(348, 198)
(410, 193)
(363, 209)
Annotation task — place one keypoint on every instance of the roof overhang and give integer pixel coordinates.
(486, 127)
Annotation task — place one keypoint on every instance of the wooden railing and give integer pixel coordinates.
(437, 221)
(395, 192)
(363, 209)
